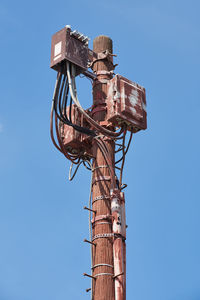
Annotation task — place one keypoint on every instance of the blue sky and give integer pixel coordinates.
(42, 223)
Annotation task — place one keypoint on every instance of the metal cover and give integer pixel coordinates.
(74, 141)
(66, 47)
(126, 103)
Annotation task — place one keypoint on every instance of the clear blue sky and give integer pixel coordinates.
(42, 223)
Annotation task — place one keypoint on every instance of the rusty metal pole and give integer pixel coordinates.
(103, 269)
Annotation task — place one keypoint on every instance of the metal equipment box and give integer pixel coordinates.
(67, 45)
(126, 104)
(74, 141)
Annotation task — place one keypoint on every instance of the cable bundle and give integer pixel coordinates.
(65, 92)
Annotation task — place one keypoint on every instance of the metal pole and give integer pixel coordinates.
(103, 266)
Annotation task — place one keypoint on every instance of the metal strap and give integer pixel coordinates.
(108, 235)
(105, 166)
(102, 274)
(102, 265)
(102, 197)
(99, 223)
(105, 55)
(104, 72)
(103, 235)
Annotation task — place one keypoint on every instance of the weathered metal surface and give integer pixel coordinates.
(103, 286)
(74, 141)
(119, 230)
(126, 103)
(68, 46)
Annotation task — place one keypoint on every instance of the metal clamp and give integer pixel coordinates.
(103, 235)
(100, 72)
(105, 55)
(102, 265)
(102, 197)
(102, 274)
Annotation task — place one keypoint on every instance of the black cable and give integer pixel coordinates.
(61, 102)
(127, 148)
(84, 163)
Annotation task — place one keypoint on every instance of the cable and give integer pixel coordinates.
(52, 112)
(72, 88)
(70, 170)
(102, 146)
(61, 143)
(123, 160)
(65, 86)
(60, 102)
(127, 148)
(84, 163)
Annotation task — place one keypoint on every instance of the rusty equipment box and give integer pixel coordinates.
(74, 141)
(72, 46)
(126, 103)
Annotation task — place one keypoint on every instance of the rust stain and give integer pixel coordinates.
(74, 141)
(126, 103)
(119, 229)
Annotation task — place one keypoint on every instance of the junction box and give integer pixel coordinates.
(73, 140)
(72, 46)
(126, 104)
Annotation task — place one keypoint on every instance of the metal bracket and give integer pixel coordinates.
(85, 274)
(86, 241)
(86, 208)
(105, 55)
